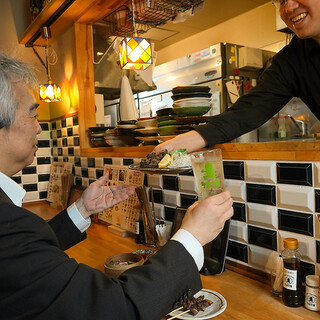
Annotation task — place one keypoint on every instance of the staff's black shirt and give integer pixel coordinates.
(295, 72)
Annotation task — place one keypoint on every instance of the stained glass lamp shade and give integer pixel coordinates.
(50, 92)
(135, 53)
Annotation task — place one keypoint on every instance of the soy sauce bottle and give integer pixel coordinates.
(139, 236)
(292, 295)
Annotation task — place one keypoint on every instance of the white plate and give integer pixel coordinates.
(217, 307)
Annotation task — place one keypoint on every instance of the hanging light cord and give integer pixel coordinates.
(133, 19)
(47, 60)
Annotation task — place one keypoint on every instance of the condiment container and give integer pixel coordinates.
(312, 299)
(292, 295)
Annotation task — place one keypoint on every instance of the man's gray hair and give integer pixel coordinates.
(12, 71)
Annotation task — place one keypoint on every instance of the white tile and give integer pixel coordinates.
(317, 226)
(260, 171)
(59, 142)
(316, 174)
(70, 141)
(261, 258)
(43, 186)
(92, 173)
(155, 181)
(262, 215)
(307, 245)
(60, 159)
(117, 161)
(76, 130)
(237, 189)
(44, 135)
(295, 198)
(58, 124)
(65, 151)
(239, 231)
(54, 134)
(77, 171)
(171, 198)
(99, 162)
(159, 210)
(64, 132)
(29, 178)
(34, 162)
(31, 196)
(44, 152)
(187, 184)
(84, 162)
(44, 168)
(69, 122)
(76, 151)
(71, 160)
(136, 160)
(85, 182)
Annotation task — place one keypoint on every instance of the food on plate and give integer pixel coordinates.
(120, 263)
(194, 305)
(176, 159)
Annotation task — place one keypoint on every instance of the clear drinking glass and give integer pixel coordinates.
(208, 172)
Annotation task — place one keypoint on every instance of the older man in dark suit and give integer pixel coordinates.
(38, 280)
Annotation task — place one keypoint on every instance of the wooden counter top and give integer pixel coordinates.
(306, 150)
(246, 298)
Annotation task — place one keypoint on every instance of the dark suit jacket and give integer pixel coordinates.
(39, 281)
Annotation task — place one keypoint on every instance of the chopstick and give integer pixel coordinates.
(179, 314)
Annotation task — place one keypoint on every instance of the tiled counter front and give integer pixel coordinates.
(272, 199)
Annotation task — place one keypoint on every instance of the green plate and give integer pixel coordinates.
(168, 123)
(191, 111)
(168, 130)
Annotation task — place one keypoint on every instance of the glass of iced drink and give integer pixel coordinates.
(208, 172)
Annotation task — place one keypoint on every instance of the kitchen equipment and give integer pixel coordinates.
(128, 109)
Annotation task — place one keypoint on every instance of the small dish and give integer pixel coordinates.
(168, 130)
(149, 123)
(192, 102)
(191, 111)
(190, 89)
(179, 96)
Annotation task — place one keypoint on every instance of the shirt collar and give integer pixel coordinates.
(12, 189)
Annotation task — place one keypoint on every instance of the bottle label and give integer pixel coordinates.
(137, 227)
(290, 278)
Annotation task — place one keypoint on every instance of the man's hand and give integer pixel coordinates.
(191, 141)
(98, 196)
(205, 219)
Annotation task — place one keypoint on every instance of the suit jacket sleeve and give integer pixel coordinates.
(40, 282)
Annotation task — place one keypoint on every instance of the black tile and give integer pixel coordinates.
(233, 170)
(30, 187)
(70, 151)
(295, 173)
(16, 179)
(59, 134)
(77, 162)
(127, 162)
(91, 181)
(44, 126)
(70, 132)
(317, 199)
(262, 237)
(78, 181)
(75, 120)
(297, 222)
(239, 211)
(76, 141)
(55, 159)
(187, 200)
(44, 143)
(54, 125)
(318, 250)
(259, 193)
(84, 172)
(54, 142)
(43, 194)
(169, 213)
(306, 269)
(43, 160)
(91, 162)
(99, 173)
(170, 182)
(65, 159)
(145, 180)
(29, 170)
(157, 196)
(63, 123)
(237, 251)
(107, 160)
(43, 177)
(64, 142)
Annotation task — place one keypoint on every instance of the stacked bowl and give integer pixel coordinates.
(147, 128)
(96, 135)
(191, 100)
(123, 135)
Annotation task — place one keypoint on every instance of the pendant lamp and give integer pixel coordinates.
(135, 52)
(49, 92)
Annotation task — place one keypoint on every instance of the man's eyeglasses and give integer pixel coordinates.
(279, 4)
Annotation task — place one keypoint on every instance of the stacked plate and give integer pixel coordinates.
(147, 127)
(191, 100)
(126, 132)
(96, 135)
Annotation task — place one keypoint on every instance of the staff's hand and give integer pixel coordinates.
(205, 219)
(98, 196)
(191, 141)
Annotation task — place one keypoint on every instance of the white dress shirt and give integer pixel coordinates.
(16, 194)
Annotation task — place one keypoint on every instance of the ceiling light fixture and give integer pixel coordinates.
(135, 52)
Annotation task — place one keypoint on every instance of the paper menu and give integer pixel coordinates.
(123, 214)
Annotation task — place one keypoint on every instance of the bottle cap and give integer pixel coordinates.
(312, 280)
(290, 243)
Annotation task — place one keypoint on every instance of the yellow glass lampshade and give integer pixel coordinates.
(135, 53)
(50, 92)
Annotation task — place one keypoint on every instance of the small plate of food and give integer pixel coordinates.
(178, 161)
(205, 304)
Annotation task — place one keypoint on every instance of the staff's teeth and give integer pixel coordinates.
(299, 17)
